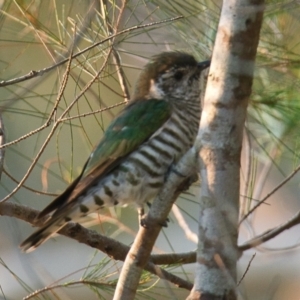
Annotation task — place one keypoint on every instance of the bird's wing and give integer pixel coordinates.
(135, 125)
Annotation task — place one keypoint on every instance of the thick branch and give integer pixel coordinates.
(118, 251)
(221, 130)
(111, 247)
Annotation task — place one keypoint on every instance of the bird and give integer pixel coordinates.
(131, 162)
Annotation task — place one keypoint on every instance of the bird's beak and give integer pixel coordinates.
(204, 64)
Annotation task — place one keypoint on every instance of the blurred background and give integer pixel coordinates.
(37, 34)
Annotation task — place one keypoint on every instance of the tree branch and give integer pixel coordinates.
(283, 182)
(109, 246)
(118, 251)
(271, 233)
(221, 131)
(33, 74)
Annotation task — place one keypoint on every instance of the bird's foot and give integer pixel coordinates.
(165, 223)
(185, 185)
(142, 217)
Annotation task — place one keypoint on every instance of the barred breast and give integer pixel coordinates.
(140, 177)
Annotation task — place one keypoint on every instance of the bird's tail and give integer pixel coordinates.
(42, 235)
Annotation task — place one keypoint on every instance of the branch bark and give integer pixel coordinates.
(221, 129)
(109, 246)
(34, 74)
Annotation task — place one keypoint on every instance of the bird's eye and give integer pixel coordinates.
(178, 75)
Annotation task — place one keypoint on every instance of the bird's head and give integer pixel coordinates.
(170, 75)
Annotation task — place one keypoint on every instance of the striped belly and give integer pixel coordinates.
(142, 174)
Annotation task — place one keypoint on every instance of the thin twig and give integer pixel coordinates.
(25, 136)
(47, 124)
(115, 53)
(42, 71)
(121, 75)
(53, 111)
(271, 233)
(263, 174)
(33, 73)
(64, 285)
(55, 125)
(27, 187)
(63, 86)
(283, 182)
(92, 112)
(247, 269)
(58, 121)
(117, 58)
(36, 32)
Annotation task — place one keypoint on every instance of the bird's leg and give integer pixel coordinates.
(141, 212)
(185, 185)
(163, 224)
(142, 221)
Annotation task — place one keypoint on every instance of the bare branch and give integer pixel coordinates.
(64, 285)
(117, 57)
(41, 72)
(47, 124)
(63, 86)
(53, 129)
(271, 233)
(247, 269)
(109, 246)
(283, 182)
(92, 113)
(27, 187)
(56, 124)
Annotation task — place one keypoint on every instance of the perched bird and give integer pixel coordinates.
(130, 163)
